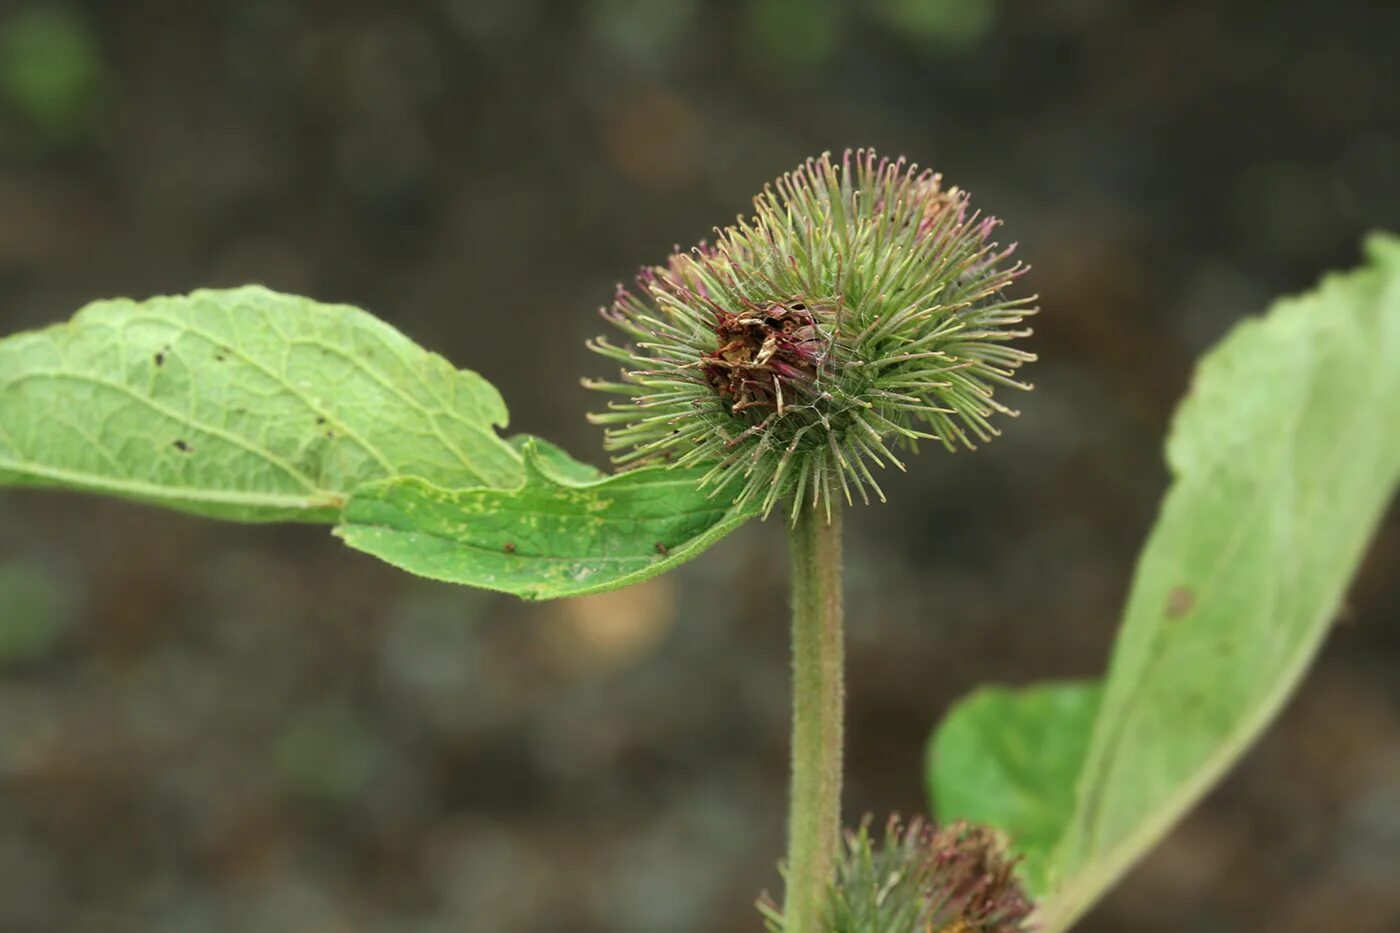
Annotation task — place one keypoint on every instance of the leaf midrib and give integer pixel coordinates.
(315, 500)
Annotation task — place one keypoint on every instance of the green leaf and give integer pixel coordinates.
(1285, 454)
(1009, 759)
(243, 404)
(250, 405)
(557, 535)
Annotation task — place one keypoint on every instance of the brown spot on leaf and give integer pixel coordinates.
(509, 548)
(662, 549)
(1180, 601)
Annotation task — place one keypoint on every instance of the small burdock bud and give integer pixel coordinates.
(864, 307)
(927, 879)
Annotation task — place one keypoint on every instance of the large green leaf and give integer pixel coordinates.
(243, 404)
(250, 405)
(560, 534)
(1009, 759)
(1284, 455)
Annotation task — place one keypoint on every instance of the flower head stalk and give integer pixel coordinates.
(864, 308)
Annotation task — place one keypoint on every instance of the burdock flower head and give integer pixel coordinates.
(862, 309)
(927, 879)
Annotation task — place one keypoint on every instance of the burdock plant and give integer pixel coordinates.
(865, 308)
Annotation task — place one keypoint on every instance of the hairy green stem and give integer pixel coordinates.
(818, 696)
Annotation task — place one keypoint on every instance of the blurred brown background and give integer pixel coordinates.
(222, 728)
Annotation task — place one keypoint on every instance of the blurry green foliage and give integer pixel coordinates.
(644, 31)
(940, 22)
(326, 751)
(32, 610)
(794, 32)
(493, 19)
(808, 33)
(50, 66)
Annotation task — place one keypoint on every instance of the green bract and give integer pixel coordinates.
(863, 308)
